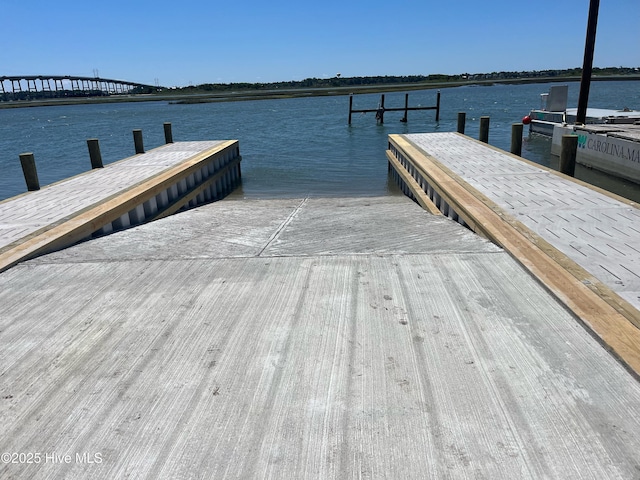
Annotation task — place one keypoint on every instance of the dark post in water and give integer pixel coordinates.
(28, 163)
(462, 117)
(587, 65)
(94, 153)
(168, 135)
(406, 108)
(568, 154)
(137, 141)
(350, 107)
(516, 139)
(484, 130)
(380, 111)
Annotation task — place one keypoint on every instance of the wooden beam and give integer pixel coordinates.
(420, 195)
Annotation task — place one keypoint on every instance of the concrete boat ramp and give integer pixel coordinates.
(304, 338)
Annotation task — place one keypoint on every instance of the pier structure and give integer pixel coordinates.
(578, 240)
(129, 192)
(380, 111)
(329, 338)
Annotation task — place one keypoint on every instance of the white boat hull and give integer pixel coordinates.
(602, 151)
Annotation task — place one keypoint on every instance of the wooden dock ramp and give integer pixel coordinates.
(129, 192)
(581, 242)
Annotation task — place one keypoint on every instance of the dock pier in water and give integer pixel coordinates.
(332, 338)
(132, 191)
(380, 111)
(579, 241)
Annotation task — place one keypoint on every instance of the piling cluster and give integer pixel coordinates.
(30, 171)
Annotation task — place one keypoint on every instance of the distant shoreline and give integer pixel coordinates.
(232, 96)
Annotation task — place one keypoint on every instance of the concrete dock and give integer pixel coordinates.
(304, 338)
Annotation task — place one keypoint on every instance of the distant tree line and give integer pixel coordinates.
(339, 81)
(333, 82)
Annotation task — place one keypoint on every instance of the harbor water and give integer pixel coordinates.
(290, 147)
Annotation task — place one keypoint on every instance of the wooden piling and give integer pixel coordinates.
(94, 153)
(350, 107)
(137, 141)
(462, 116)
(29, 170)
(516, 139)
(380, 112)
(484, 130)
(168, 135)
(406, 108)
(568, 154)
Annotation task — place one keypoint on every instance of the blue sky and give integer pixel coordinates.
(193, 42)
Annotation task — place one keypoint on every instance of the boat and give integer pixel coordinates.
(553, 111)
(609, 140)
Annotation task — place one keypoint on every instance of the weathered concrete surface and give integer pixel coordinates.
(317, 338)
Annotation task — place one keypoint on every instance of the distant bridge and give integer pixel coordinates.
(42, 86)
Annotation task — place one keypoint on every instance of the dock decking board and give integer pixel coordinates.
(396, 344)
(542, 200)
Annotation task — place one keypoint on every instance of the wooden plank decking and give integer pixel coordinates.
(357, 338)
(124, 193)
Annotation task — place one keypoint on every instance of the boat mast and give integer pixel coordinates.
(587, 64)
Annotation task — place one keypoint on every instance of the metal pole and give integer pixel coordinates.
(587, 65)
(438, 107)
(350, 107)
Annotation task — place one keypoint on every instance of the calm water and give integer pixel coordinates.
(291, 147)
